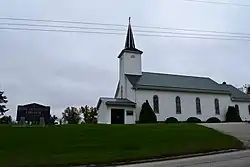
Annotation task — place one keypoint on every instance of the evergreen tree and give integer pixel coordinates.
(147, 114)
(232, 115)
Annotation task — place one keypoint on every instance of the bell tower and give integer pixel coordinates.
(129, 60)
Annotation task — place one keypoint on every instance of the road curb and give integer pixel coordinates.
(164, 159)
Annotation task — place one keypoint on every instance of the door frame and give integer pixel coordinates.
(120, 113)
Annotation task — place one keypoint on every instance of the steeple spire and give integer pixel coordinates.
(130, 43)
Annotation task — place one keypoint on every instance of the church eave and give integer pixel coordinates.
(176, 89)
(136, 51)
(240, 99)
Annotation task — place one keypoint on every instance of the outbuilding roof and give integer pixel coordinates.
(115, 102)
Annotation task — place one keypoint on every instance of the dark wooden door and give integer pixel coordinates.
(117, 116)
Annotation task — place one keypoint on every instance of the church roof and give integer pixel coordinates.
(159, 81)
(170, 82)
(236, 94)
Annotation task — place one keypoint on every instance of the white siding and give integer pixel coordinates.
(243, 108)
(167, 105)
(132, 63)
(129, 91)
(129, 63)
(103, 114)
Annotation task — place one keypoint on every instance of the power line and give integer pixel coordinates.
(120, 25)
(113, 33)
(113, 29)
(219, 3)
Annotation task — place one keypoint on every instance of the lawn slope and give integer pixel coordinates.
(97, 144)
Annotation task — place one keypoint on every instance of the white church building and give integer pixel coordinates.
(169, 95)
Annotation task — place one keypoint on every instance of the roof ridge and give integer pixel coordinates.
(160, 73)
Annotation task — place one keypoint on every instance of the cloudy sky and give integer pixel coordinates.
(73, 69)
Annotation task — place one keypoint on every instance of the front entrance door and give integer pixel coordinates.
(117, 116)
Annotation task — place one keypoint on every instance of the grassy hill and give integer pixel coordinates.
(96, 144)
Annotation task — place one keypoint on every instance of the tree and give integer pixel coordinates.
(5, 120)
(3, 101)
(53, 119)
(232, 115)
(147, 114)
(89, 114)
(71, 115)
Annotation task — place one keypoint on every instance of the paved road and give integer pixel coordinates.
(238, 130)
(234, 159)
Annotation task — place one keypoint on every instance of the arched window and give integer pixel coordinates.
(178, 105)
(237, 108)
(156, 103)
(249, 109)
(198, 106)
(217, 107)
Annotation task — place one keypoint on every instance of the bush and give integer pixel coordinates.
(213, 120)
(232, 115)
(193, 120)
(5, 120)
(147, 114)
(171, 120)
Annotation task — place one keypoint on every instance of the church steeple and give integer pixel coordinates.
(130, 43)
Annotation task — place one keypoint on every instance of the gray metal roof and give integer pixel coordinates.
(236, 94)
(115, 102)
(159, 81)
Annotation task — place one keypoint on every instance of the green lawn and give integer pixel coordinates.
(87, 144)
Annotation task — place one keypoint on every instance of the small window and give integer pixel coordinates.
(178, 105)
(132, 56)
(217, 107)
(237, 108)
(198, 106)
(156, 103)
(131, 113)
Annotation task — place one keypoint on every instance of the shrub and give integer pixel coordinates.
(5, 120)
(213, 120)
(193, 120)
(147, 114)
(232, 115)
(171, 120)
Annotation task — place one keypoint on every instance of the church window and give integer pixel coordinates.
(121, 91)
(237, 108)
(156, 103)
(198, 106)
(249, 109)
(178, 105)
(217, 107)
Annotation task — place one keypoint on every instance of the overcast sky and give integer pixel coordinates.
(74, 69)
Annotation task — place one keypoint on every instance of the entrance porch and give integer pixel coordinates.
(115, 111)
